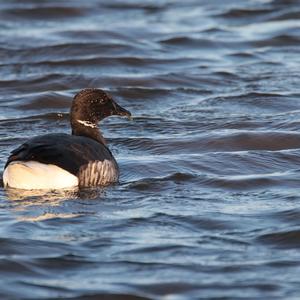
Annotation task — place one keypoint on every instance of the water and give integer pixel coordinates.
(208, 203)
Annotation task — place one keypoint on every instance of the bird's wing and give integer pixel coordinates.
(66, 151)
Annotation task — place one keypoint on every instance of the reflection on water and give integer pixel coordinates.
(39, 205)
(40, 196)
(208, 201)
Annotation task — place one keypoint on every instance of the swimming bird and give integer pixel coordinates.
(56, 161)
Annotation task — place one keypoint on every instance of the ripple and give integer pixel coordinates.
(283, 40)
(284, 239)
(44, 101)
(32, 248)
(185, 41)
(108, 296)
(46, 82)
(246, 13)
(51, 12)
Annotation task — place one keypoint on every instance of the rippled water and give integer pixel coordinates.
(208, 205)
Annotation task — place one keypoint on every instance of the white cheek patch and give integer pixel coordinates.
(87, 123)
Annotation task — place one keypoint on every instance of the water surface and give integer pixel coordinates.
(208, 204)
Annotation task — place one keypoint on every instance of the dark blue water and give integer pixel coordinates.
(208, 205)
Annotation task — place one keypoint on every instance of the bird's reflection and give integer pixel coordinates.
(52, 195)
(39, 205)
(40, 196)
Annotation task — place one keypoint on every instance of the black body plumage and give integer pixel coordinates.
(68, 152)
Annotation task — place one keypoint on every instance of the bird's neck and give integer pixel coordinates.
(88, 129)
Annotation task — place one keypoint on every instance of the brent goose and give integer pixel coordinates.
(55, 161)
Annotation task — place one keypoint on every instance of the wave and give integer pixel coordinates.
(284, 239)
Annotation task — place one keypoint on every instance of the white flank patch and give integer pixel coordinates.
(31, 175)
(87, 123)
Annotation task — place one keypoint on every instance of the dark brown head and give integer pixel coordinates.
(91, 106)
